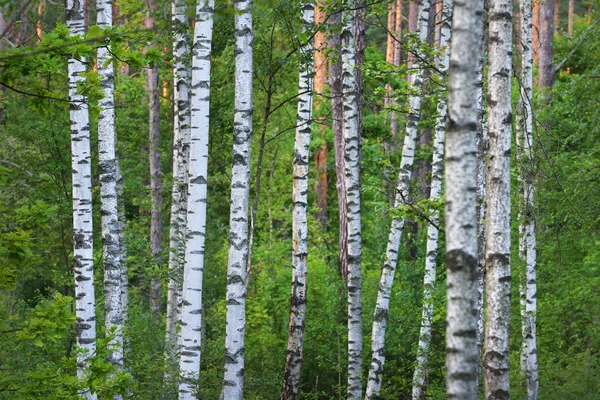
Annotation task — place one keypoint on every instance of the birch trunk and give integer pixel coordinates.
(191, 310)
(107, 168)
(233, 384)
(461, 217)
(123, 252)
(381, 314)
(295, 347)
(352, 157)
(181, 140)
(546, 67)
(155, 173)
(437, 170)
(83, 255)
(527, 245)
(497, 254)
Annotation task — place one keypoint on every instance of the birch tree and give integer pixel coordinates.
(295, 347)
(527, 243)
(181, 140)
(107, 168)
(461, 217)
(191, 309)
(437, 170)
(233, 384)
(388, 270)
(497, 252)
(83, 255)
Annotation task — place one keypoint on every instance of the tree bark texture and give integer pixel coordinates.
(527, 244)
(155, 173)
(233, 384)
(181, 143)
(83, 255)
(437, 171)
(123, 250)
(352, 156)
(497, 254)
(546, 63)
(295, 347)
(557, 15)
(413, 22)
(386, 280)
(320, 69)
(111, 250)
(191, 302)
(461, 217)
(570, 17)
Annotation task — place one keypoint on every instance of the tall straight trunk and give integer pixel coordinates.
(319, 87)
(83, 254)
(382, 307)
(527, 245)
(396, 59)
(557, 15)
(181, 142)
(437, 170)
(460, 210)
(107, 167)
(191, 309)
(390, 50)
(122, 250)
(337, 111)
(233, 384)
(352, 156)
(155, 173)
(535, 29)
(295, 347)
(546, 67)
(497, 252)
(413, 22)
(38, 25)
(570, 17)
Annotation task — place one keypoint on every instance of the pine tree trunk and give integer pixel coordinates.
(181, 142)
(570, 18)
(546, 67)
(38, 25)
(233, 384)
(337, 111)
(557, 15)
(111, 249)
(381, 314)
(535, 20)
(83, 255)
(461, 216)
(497, 255)
(527, 245)
(295, 347)
(191, 310)
(413, 22)
(437, 170)
(396, 60)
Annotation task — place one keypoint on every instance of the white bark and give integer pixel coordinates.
(111, 251)
(83, 256)
(295, 347)
(123, 252)
(461, 216)
(497, 255)
(191, 310)
(233, 383)
(388, 271)
(437, 171)
(527, 241)
(181, 140)
(352, 156)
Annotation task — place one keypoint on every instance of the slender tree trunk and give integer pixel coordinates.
(320, 80)
(107, 168)
(181, 142)
(122, 251)
(497, 255)
(413, 18)
(233, 385)
(389, 52)
(535, 20)
(38, 25)
(381, 314)
(461, 216)
(337, 110)
(527, 245)
(83, 255)
(352, 156)
(437, 164)
(295, 347)
(155, 173)
(546, 65)
(191, 310)
(570, 18)
(396, 61)
(557, 15)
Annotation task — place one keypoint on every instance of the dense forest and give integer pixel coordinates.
(299, 199)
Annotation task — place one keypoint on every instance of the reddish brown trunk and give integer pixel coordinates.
(570, 18)
(389, 58)
(535, 20)
(546, 67)
(557, 15)
(38, 26)
(319, 87)
(413, 14)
